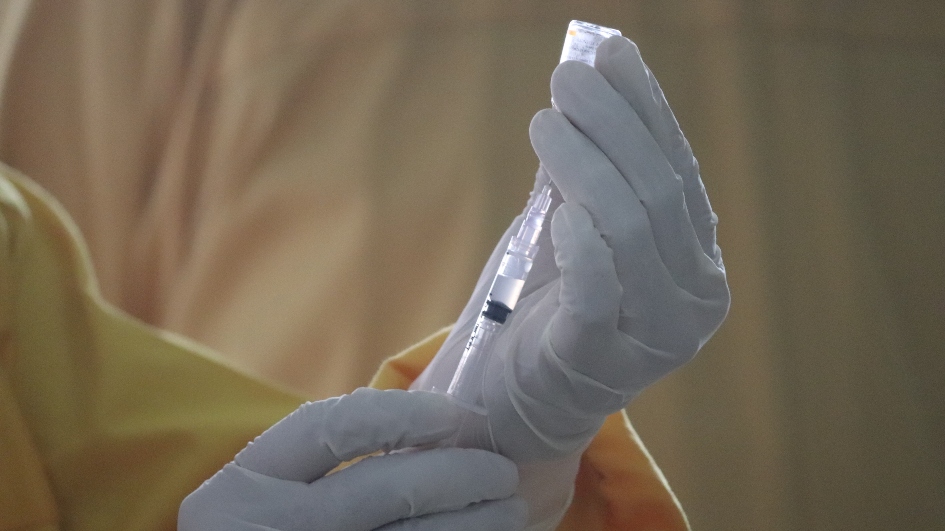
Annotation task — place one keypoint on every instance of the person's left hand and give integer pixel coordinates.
(630, 285)
(279, 481)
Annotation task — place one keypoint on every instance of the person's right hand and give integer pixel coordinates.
(279, 481)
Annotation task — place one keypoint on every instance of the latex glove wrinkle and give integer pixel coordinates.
(279, 481)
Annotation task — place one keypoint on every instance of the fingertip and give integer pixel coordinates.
(568, 221)
(437, 479)
(575, 84)
(542, 128)
(571, 215)
(370, 420)
(620, 62)
(429, 415)
(540, 120)
(428, 403)
(574, 232)
(567, 70)
(439, 404)
(614, 46)
(501, 472)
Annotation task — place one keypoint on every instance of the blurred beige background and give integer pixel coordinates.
(309, 187)
(820, 127)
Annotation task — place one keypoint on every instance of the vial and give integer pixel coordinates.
(582, 40)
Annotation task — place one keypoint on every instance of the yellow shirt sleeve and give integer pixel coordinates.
(106, 423)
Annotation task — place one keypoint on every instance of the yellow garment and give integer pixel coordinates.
(106, 423)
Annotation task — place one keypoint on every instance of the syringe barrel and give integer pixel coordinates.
(466, 386)
(517, 262)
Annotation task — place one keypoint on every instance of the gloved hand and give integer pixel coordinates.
(630, 286)
(279, 481)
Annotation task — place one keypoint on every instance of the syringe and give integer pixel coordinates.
(466, 387)
(580, 44)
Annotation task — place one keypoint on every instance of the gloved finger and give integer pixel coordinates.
(585, 176)
(590, 291)
(604, 116)
(318, 436)
(510, 514)
(584, 327)
(242, 500)
(619, 61)
(383, 489)
(362, 497)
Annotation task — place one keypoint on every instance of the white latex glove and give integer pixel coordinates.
(279, 482)
(629, 288)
